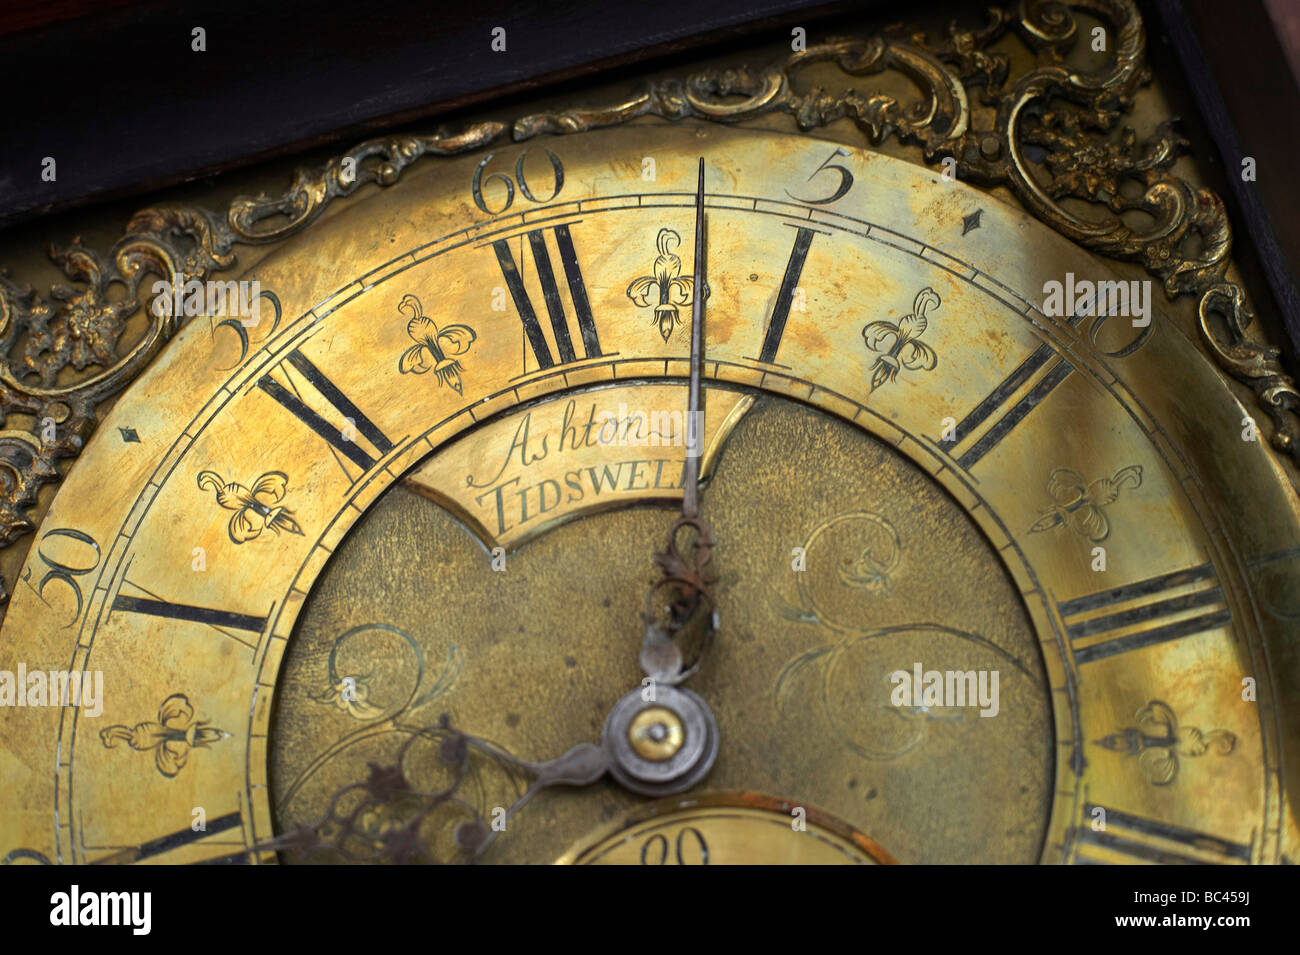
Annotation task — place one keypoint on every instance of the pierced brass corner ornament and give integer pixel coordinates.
(937, 528)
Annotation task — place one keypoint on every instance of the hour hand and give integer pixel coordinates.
(580, 766)
(658, 740)
(684, 572)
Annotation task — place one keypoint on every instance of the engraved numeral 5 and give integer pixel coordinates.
(846, 181)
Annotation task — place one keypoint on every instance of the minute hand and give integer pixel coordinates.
(695, 414)
(688, 577)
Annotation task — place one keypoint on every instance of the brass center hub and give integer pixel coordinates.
(656, 733)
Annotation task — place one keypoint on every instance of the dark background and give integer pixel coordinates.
(112, 90)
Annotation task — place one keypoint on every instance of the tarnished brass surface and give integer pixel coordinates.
(60, 359)
(932, 495)
(533, 657)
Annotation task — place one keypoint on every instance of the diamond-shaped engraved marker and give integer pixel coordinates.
(971, 222)
(129, 435)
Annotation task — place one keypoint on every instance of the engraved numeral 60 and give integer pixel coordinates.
(479, 179)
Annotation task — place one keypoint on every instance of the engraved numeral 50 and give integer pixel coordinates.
(65, 573)
(477, 186)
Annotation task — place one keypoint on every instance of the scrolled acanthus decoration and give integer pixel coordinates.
(1052, 136)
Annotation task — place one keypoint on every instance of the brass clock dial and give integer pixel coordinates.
(393, 501)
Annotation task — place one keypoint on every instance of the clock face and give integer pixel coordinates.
(998, 581)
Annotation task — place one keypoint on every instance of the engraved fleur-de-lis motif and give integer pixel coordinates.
(666, 287)
(435, 348)
(171, 738)
(256, 508)
(1079, 505)
(898, 341)
(1157, 741)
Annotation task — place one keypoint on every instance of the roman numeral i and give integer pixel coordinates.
(785, 297)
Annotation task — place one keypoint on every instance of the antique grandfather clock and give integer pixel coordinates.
(852, 436)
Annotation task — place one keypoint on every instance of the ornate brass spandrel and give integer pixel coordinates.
(1070, 115)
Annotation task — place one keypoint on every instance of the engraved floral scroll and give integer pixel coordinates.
(1066, 119)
